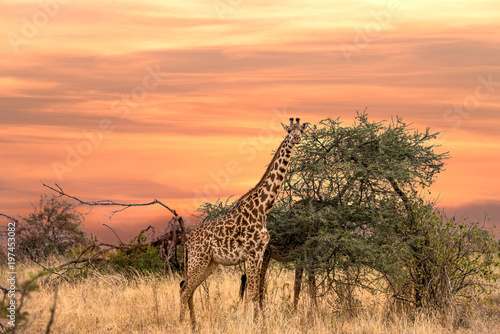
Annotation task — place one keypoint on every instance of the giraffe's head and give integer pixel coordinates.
(295, 130)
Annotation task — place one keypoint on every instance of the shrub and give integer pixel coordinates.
(142, 259)
(450, 263)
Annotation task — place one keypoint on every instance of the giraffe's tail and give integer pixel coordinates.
(185, 261)
(243, 285)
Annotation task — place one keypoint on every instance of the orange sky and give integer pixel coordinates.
(159, 96)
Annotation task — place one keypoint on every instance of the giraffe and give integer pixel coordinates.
(241, 234)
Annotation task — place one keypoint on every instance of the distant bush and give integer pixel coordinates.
(54, 226)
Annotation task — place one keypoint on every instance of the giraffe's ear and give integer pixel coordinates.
(304, 126)
(286, 127)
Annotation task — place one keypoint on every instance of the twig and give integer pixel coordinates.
(128, 323)
(88, 259)
(50, 270)
(5, 290)
(116, 235)
(403, 299)
(8, 217)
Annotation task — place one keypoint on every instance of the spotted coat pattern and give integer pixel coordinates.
(240, 235)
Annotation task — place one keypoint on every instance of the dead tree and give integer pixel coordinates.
(168, 242)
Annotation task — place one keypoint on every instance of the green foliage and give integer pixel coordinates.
(362, 162)
(142, 259)
(54, 226)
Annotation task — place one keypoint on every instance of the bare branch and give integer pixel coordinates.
(61, 193)
(50, 270)
(5, 290)
(8, 217)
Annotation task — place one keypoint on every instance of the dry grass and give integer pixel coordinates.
(113, 304)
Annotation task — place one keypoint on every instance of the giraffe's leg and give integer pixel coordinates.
(296, 287)
(262, 277)
(255, 254)
(252, 293)
(195, 276)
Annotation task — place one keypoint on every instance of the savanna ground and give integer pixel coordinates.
(113, 303)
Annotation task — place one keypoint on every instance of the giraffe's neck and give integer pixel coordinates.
(262, 196)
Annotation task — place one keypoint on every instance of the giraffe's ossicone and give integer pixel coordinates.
(240, 235)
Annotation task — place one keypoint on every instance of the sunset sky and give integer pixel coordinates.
(137, 100)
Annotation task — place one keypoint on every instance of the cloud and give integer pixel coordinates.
(226, 78)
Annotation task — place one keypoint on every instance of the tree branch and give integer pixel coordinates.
(61, 192)
(9, 217)
(50, 270)
(116, 235)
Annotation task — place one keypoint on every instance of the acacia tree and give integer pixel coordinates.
(54, 226)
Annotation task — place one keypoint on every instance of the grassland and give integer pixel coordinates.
(112, 303)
